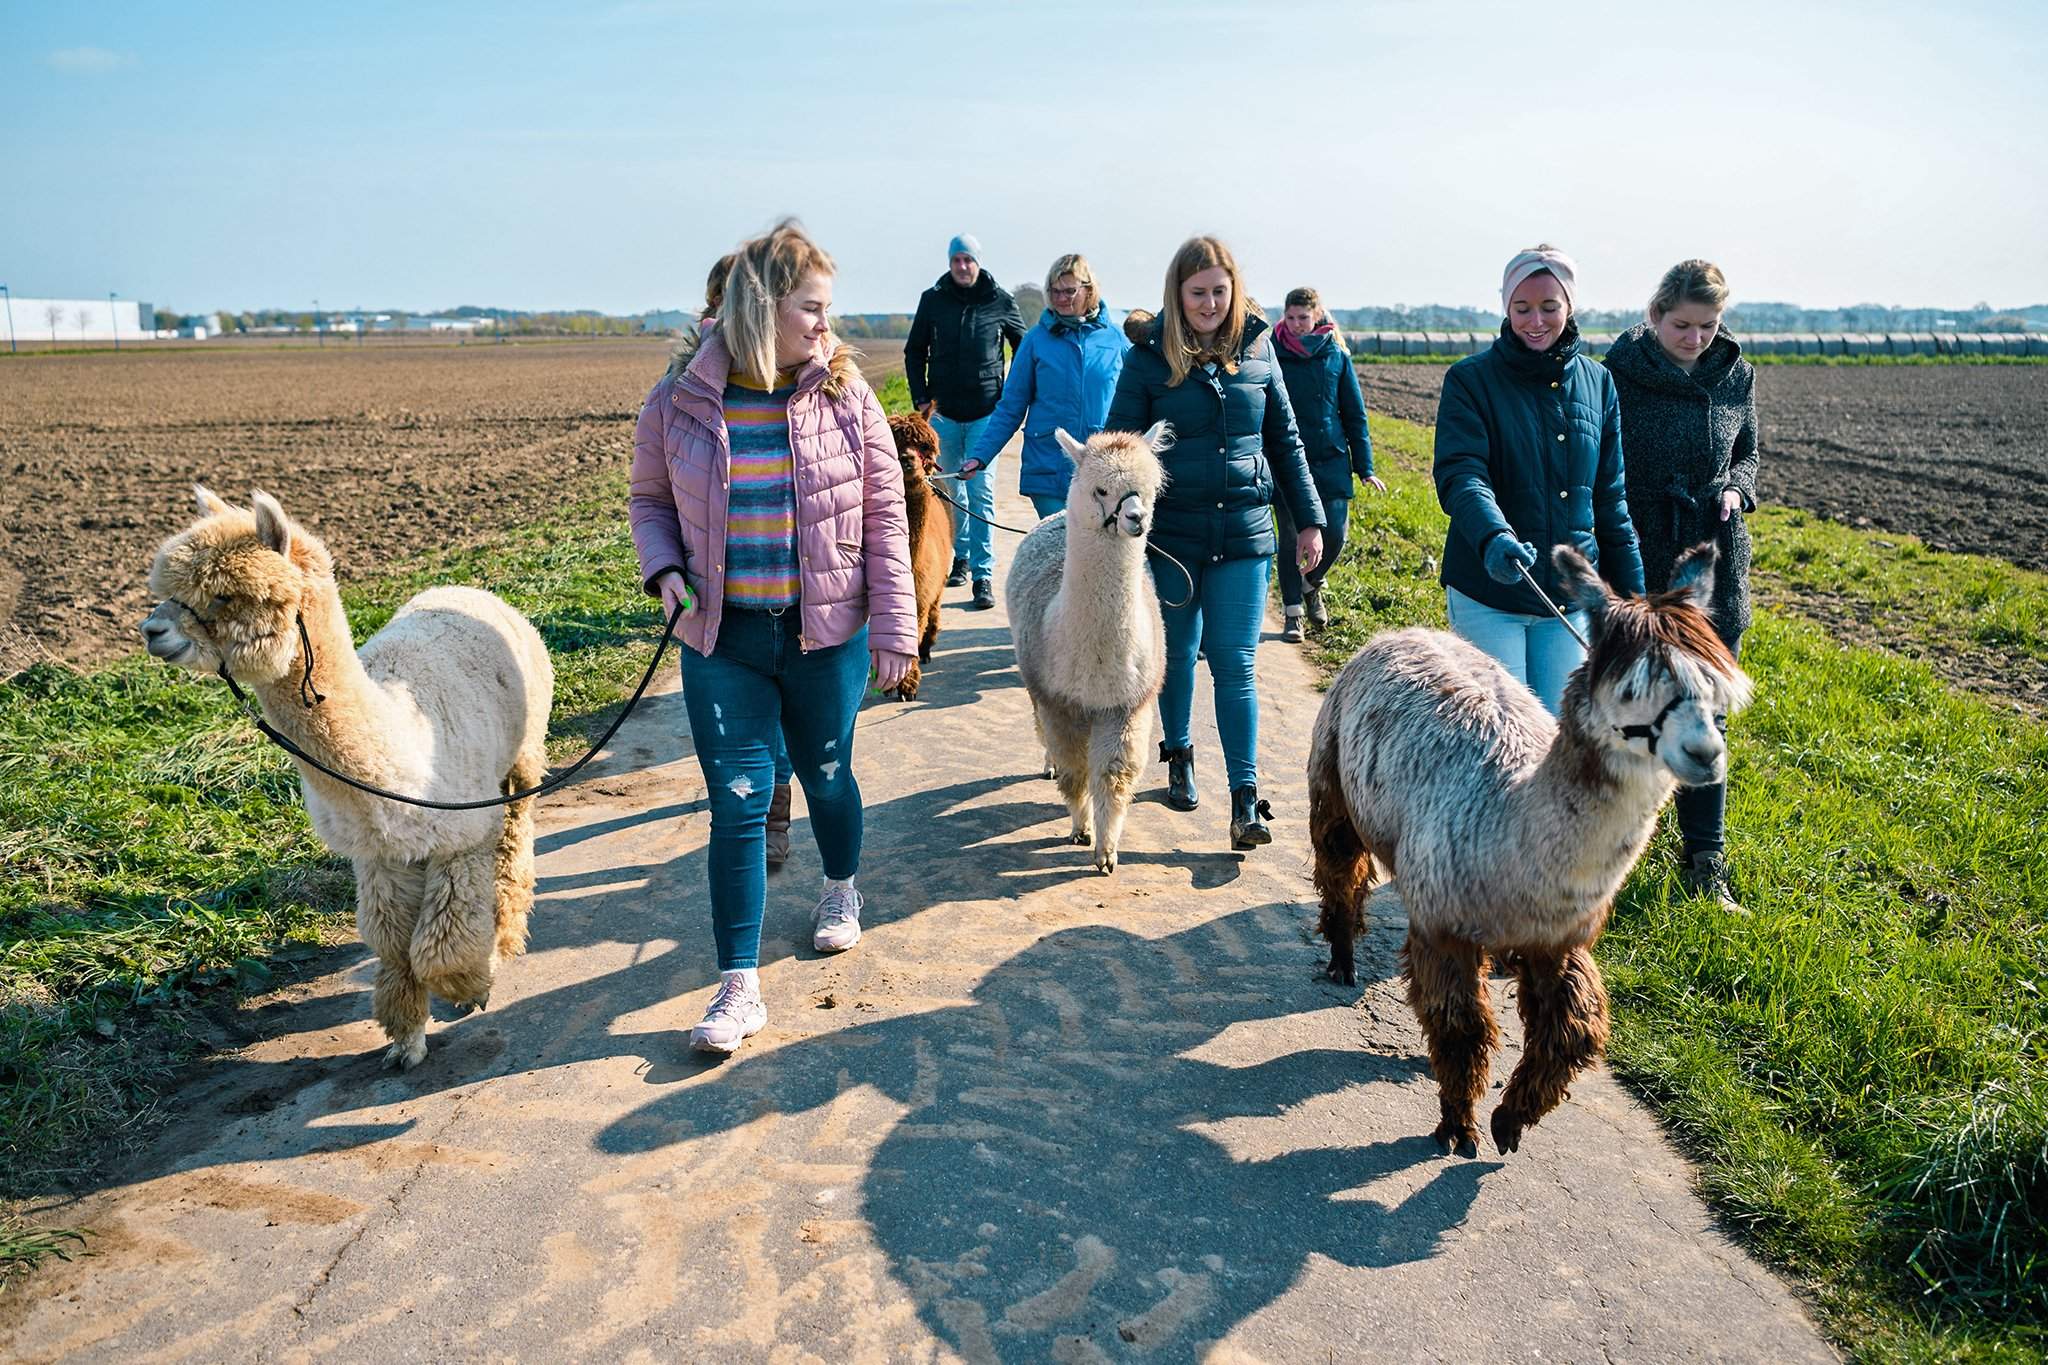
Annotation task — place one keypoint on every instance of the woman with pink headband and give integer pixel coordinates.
(1528, 456)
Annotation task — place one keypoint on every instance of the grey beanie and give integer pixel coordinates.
(963, 245)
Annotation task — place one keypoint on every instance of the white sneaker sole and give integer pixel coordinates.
(826, 947)
(703, 1042)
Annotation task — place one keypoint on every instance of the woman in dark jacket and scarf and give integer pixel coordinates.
(1205, 364)
(1329, 410)
(1688, 420)
(1528, 454)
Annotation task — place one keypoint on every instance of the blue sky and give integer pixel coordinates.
(536, 156)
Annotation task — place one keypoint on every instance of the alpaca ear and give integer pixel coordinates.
(1583, 590)
(210, 503)
(1159, 436)
(1694, 573)
(1068, 444)
(273, 528)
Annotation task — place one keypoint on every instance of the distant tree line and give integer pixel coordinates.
(1744, 317)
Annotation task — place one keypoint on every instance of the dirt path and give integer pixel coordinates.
(1037, 1114)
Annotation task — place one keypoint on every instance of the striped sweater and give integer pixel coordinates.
(760, 527)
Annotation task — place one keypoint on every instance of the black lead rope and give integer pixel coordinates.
(559, 779)
(1016, 531)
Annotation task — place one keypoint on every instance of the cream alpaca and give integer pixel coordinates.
(1510, 832)
(1089, 638)
(448, 702)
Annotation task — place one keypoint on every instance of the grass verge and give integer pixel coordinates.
(1858, 1068)
(155, 858)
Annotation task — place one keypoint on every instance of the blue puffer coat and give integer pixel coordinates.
(1529, 445)
(1329, 409)
(1062, 377)
(1235, 448)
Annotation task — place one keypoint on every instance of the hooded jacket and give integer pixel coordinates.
(1529, 445)
(1235, 448)
(1062, 378)
(954, 353)
(853, 533)
(1689, 437)
(1329, 409)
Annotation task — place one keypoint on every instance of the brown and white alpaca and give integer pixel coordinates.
(1510, 832)
(448, 702)
(931, 534)
(1089, 639)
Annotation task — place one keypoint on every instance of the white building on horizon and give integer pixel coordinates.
(57, 321)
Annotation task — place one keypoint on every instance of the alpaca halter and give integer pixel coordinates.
(558, 780)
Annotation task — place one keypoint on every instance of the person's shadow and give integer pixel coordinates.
(1064, 1166)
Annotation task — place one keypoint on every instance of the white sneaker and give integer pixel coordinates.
(837, 918)
(736, 1014)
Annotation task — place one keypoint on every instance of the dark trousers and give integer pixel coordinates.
(1703, 811)
(1338, 510)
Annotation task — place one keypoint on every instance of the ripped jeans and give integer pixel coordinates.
(757, 684)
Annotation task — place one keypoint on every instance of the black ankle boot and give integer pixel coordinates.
(1248, 817)
(1180, 777)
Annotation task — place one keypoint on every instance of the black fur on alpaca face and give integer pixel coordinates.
(1658, 683)
(1117, 479)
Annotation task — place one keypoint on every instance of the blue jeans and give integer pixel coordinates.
(755, 688)
(1537, 650)
(1221, 620)
(973, 541)
(1338, 510)
(1045, 504)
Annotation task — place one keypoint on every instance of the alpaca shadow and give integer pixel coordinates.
(1065, 1165)
(967, 664)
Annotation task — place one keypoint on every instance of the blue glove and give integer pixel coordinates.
(1504, 553)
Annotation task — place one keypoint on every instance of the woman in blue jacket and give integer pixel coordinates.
(1061, 378)
(1205, 364)
(1528, 455)
(1329, 410)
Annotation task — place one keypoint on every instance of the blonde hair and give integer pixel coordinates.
(1693, 281)
(1176, 338)
(764, 272)
(1075, 264)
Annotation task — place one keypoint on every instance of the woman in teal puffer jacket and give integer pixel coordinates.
(1206, 366)
(1061, 379)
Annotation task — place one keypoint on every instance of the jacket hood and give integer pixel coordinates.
(1103, 313)
(1638, 356)
(702, 358)
(1151, 331)
(981, 291)
(1314, 344)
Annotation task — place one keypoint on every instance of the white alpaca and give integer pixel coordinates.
(448, 702)
(1089, 638)
(1510, 832)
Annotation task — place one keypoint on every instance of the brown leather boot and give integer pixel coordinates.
(778, 825)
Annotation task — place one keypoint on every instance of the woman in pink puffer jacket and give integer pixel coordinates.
(767, 502)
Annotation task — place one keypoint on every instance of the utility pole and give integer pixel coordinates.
(9, 296)
(319, 327)
(114, 316)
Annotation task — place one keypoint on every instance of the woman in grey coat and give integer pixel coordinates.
(1688, 422)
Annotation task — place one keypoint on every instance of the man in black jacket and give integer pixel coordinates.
(954, 360)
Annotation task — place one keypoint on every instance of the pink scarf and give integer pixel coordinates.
(1292, 342)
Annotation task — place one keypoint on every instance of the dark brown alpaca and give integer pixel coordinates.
(1510, 832)
(931, 534)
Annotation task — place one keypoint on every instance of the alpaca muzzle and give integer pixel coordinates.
(1130, 512)
(161, 636)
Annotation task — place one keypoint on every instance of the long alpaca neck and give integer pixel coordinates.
(1583, 817)
(350, 729)
(1102, 639)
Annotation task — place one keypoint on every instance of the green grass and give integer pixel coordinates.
(23, 1247)
(1859, 1068)
(153, 849)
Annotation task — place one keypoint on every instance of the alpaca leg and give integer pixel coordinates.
(1343, 865)
(514, 868)
(907, 689)
(1564, 1030)
(387, 907)
(930, 636)
(1447, 991)
(1115, 757)
(1067, 746)
(454, 944)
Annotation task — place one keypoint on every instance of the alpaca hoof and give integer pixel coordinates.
(406, 1053)
(465, 1008)
(907, 692)
(1080, 837)
(1342, 969)
(1105, 863)
(1507, 1131)
(1462, 1138)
